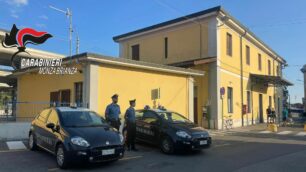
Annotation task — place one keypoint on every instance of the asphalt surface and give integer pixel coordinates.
(230, 152)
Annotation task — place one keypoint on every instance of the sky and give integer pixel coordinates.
(280, 24)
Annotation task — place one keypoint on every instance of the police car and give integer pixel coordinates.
(75, 135)
(170, 130)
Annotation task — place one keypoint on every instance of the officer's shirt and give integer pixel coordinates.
(112, 111)
(130, 115)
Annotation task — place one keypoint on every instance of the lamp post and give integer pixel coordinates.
(68, 13)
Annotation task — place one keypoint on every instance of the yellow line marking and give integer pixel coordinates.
(133, 157)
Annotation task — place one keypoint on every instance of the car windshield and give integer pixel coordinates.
(173, 117)
(81, 119)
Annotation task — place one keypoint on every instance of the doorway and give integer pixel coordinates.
(260, 109)
(195, 104)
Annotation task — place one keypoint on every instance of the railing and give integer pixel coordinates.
(26, 111)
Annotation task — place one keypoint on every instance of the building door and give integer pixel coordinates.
(260, 109)
(135, 52)
(195, 105)
(65, 97)
(195, 110)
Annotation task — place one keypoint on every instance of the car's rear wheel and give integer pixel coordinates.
(61, 158)
(167, 145)
(32, 142)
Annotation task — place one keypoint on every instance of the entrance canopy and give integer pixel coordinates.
(267, 79)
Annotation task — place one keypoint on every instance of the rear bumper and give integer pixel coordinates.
(194, 144)
(95, 155)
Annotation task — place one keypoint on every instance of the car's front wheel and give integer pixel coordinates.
(61, 158)
(167, 145)
(32, 142)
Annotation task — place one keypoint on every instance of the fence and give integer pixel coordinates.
(26, 111)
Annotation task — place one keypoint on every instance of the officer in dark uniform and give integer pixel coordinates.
(112, 113)
(130, 120)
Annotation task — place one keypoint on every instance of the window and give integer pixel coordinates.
(60, 98)
(247, 55)
(259, 61)
(81, 119)
(166, 47)
(277, 70)
(229, 46)
(230, 99)
(270, 101)
(54, 98)
(155, 94)
(78, 93)
(149, 117)
(269, 67)
(43, 115)
(53, 118)
(135, 52)
(173, 117)
(139, 114)
(249, 102)
(65, 97)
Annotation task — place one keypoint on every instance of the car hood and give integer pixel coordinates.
(96, 136)
(189, 128)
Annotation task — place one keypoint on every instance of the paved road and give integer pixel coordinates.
(238, 152)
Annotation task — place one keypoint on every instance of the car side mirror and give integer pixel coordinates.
(50, 125)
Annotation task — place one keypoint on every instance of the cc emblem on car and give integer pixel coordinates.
(107, 142)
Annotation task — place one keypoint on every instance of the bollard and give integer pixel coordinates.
(272, 127)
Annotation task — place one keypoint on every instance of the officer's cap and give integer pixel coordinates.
(115, 96)
(132, 101)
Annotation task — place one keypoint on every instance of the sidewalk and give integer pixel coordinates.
(260, 130)
(13, 145)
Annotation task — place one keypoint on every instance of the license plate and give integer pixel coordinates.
(108, 151)
(203, 142)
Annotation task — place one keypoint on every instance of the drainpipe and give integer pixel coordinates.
(241, 76)
(200, 40)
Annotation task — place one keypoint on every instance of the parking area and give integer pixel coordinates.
(228, 153)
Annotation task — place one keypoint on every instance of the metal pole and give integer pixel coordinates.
(77, 45)
(69, 14)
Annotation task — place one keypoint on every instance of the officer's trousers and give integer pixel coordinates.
(131, 135)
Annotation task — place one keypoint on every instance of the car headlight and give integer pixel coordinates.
(183, 134)
(79, 141)
(121, 138)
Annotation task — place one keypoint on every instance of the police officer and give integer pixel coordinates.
(131, 126)
(112, 113)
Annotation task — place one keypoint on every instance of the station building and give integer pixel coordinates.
(98, 78)
(243, 74)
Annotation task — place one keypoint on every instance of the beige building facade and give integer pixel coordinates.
(243, 74)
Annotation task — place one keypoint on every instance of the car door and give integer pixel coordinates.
(52, 134)
(150, 126)
(40, 128)
(139, 125)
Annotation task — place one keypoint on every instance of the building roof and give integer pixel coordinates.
(304, 69)
(190, 17)
(193, 62)
(101, 59)
(187, 17)
(267, 79)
